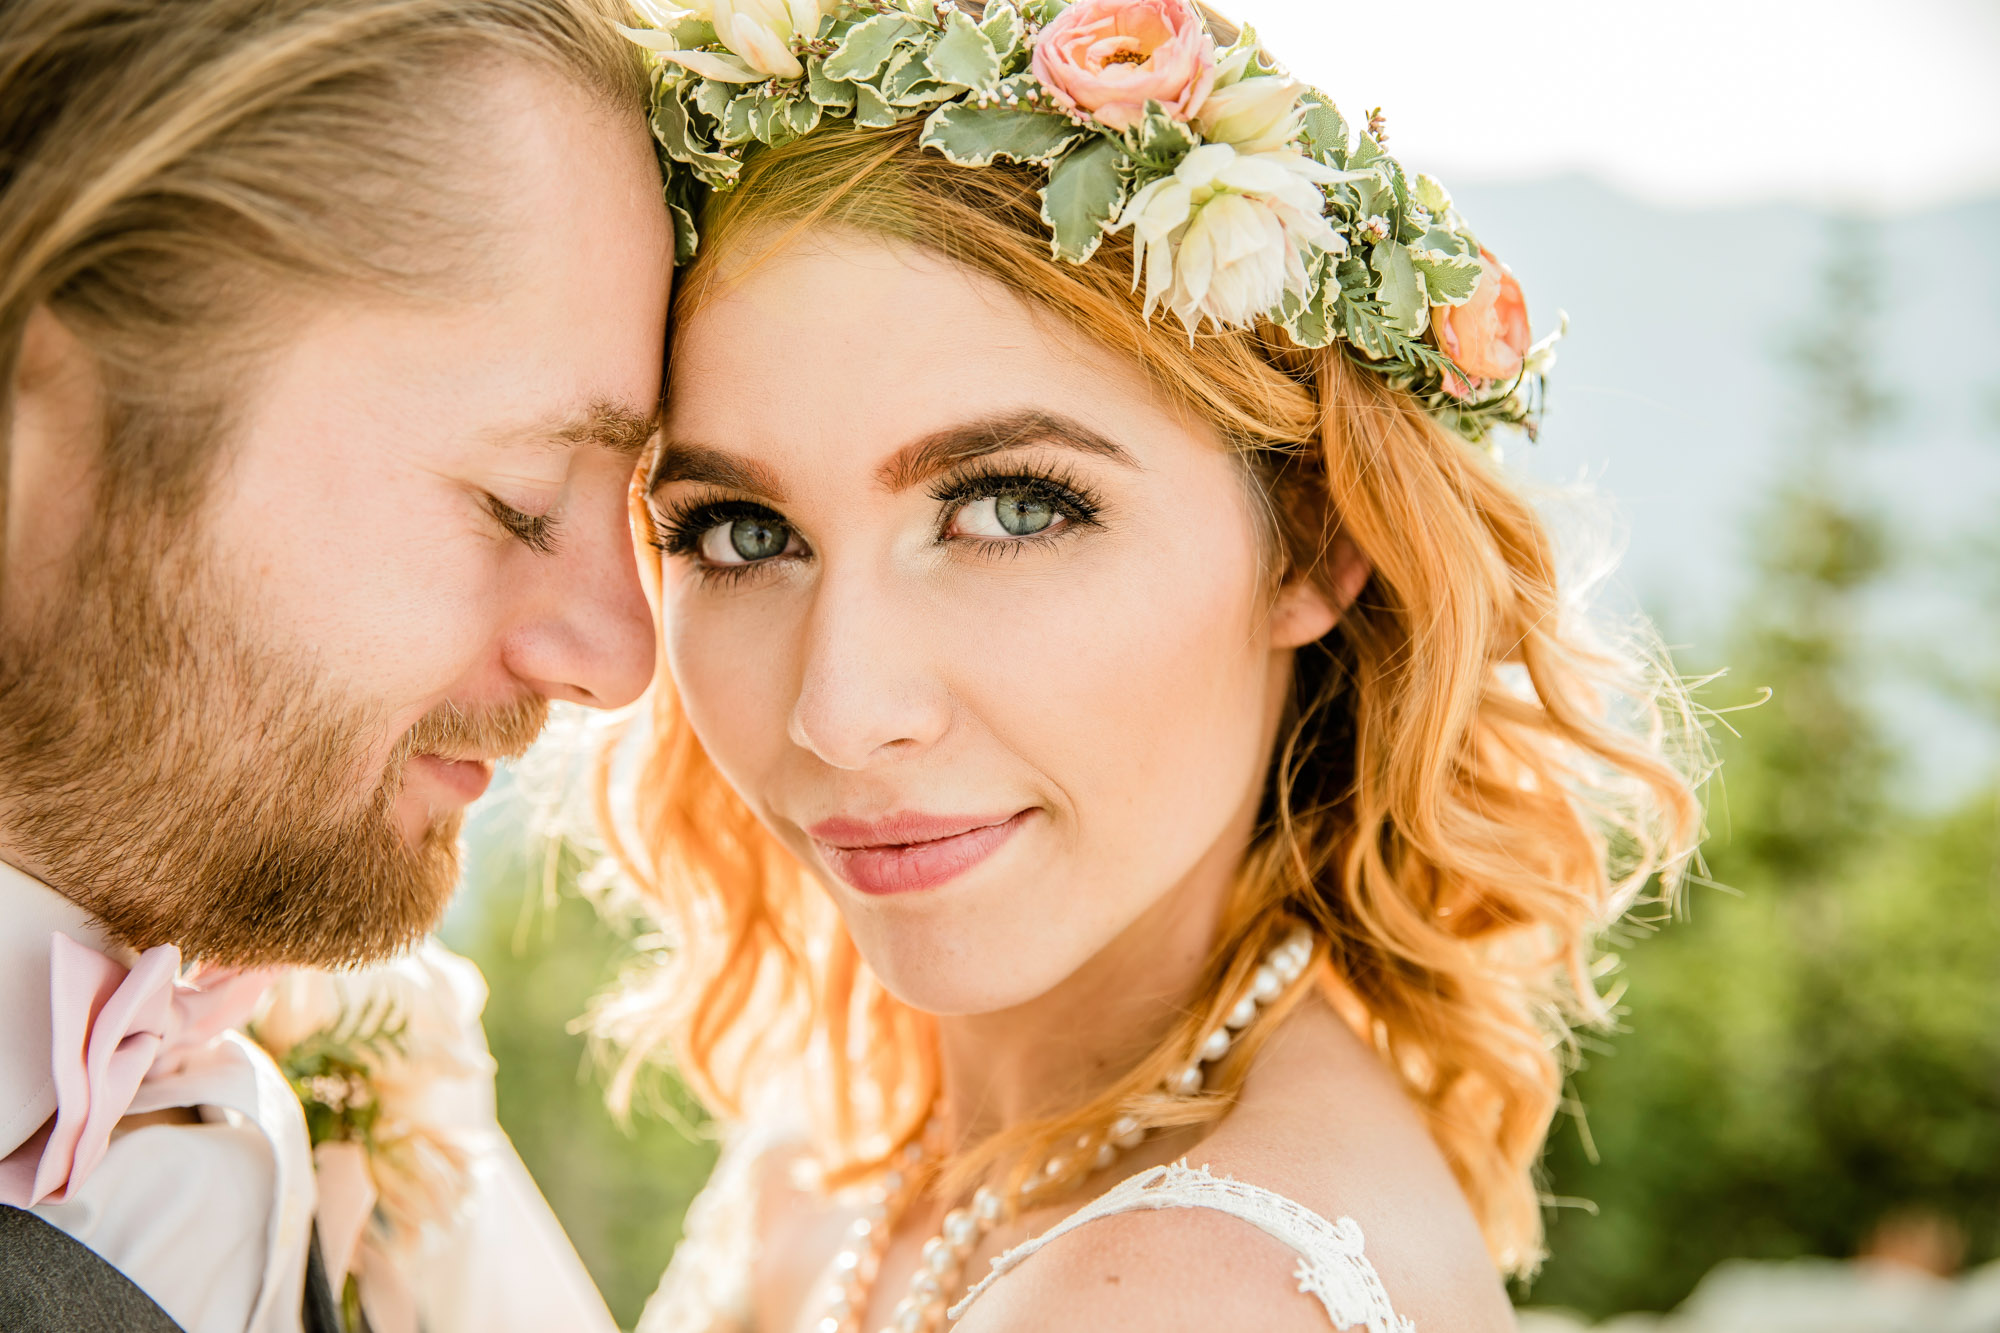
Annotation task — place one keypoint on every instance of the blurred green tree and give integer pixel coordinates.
(1816, 1048)
(620, 1190)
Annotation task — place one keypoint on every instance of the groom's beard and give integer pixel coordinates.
(185, 785)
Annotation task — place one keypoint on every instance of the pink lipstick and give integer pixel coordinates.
(907, 852)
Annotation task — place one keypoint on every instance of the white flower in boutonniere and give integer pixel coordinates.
(383, 1060)
(1226, 234)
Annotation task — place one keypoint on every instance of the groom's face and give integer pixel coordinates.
(251, 729)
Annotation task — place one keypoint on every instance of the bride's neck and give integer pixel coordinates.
(1064, 1046)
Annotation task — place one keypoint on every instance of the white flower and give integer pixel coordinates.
(758, 33)
(410, 1027)
(1226, 235)
(1254, 115)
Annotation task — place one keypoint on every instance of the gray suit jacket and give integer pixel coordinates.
(50, 1282)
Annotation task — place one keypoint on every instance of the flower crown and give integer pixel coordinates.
(1249, 197)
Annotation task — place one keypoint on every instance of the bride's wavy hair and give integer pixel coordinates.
(1471, 784)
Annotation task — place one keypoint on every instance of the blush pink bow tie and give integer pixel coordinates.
(114, 1030)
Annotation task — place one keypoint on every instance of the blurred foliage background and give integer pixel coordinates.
(1808, 1060)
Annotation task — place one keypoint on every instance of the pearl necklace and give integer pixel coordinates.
(938, 1274)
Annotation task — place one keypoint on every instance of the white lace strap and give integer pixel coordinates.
(1331, 1267)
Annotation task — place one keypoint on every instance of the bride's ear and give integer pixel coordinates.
(1307, 608)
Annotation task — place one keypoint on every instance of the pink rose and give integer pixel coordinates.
(1108, 58)
(1488, 335)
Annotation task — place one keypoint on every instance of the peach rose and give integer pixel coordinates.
(1108, 58)
(1488, 335)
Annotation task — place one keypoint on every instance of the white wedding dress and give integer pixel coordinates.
(707, 1286)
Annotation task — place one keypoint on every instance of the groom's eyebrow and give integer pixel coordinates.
(606, 424)
(955, 445)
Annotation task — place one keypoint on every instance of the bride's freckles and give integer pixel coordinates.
(976, 619)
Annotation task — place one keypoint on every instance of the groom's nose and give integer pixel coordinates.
(588, 635)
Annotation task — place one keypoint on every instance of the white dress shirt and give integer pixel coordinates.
(211, 1220)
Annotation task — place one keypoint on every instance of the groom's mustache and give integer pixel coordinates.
(450, 731)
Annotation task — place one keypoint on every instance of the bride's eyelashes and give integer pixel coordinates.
(1013, 510)
(991, 512)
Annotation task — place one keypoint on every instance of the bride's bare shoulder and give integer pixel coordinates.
(1323, 1124)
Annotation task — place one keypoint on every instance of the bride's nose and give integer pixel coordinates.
(869, 690)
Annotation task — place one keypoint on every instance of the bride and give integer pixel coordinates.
(1133, 806)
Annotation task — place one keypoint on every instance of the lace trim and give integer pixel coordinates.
(1331, 1266)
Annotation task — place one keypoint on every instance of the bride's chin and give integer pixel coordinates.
(951, 971)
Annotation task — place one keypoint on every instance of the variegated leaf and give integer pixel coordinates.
(1007, 34)
(714, 97)
(871, 109)
(1399, 291)
(737, 124)
(974, 136)
(801, 114)
(1326, 132)
(1159, 142)
(868, 45)
(964, 55)
(676, 131)
(1309, 316)
(1084, 195)
(908, 82)
(827, 92)
(1448, 279)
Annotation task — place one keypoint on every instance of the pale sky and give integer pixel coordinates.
(1891, 106)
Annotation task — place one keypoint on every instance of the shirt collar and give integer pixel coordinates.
(32, 912)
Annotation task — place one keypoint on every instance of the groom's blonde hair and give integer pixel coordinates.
(177, 175)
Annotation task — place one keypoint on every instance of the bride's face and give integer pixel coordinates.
(976, 620)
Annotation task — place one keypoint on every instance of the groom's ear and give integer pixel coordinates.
(1311, 603)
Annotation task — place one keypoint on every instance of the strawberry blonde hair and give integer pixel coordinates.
(1468, 788)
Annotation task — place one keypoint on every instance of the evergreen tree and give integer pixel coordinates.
(1817, 1048)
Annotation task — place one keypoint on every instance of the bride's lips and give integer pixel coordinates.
(908, 852)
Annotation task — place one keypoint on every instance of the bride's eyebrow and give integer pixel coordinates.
(709, 466)
(924, 458)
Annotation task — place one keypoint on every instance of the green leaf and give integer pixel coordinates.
(801, 115)
(768, 121)
(872, 109)
(1043, 12)
(1450, 242)
(713, 96)
(908, 82)
(1326, 131)
(1401, 294)
(1448, 279)
(1005, 33)
(1430, 192)
(868, 45)
(1309, 318)
(1363, 325)
(680, 140)
(1083, 197)
(738, 126)
(964, 55)
(686, 239)
(691, 33)
(1366, 153)
(827, 92)
(974, 136)
(1158, 141)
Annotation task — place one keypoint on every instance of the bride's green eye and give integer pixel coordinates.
(742, 541)
(1006, 514)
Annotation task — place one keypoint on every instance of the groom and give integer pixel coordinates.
(329, 330)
